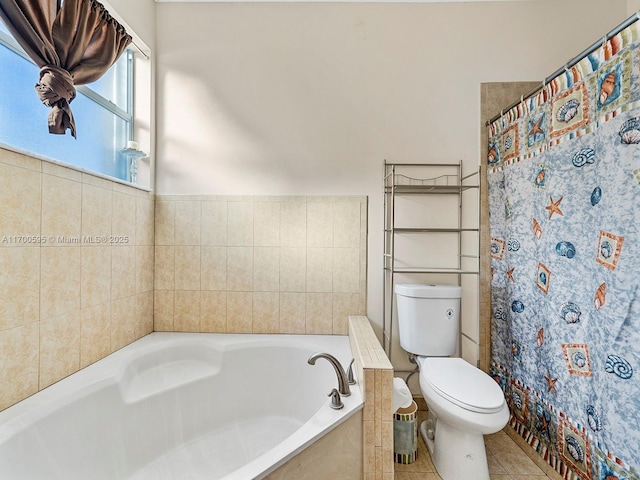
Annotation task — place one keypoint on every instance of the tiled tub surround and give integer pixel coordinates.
(66, 300)
(376, 373)
(259, 264)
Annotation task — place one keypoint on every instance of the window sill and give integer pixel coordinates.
(74, 167)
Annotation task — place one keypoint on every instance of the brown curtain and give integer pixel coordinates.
(72, 41)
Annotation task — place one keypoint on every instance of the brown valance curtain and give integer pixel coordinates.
(72, 41)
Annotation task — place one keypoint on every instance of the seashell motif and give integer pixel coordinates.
(513, 245)
(570, 312)
(537, 229)
(607, 87)
(584, 156)
(495, 248)
(540, 178)
(574, 448)
(600, 296)
(540, 337)
(606, 250)
(517, 306)
(579, 359)
(492, 156)
(516, 350)
(517, 401)
(542, 276)
(630, 131)
(593, 419)
(508, 142)
(568, 111)
(596, 195)
(619, 366)
(566, 249)
(500, 314)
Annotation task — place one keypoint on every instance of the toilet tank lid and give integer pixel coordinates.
(428, 291)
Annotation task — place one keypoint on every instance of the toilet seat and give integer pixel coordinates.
(462, 384)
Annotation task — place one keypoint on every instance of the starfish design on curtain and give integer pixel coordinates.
(510, 274)
(536, 128)
(551, 383)
(544, 423)
(554, 207)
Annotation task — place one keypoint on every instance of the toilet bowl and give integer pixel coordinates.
(464, 404)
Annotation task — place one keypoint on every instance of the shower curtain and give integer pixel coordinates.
(564, 195)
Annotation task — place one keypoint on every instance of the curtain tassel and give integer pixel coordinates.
(56, 90)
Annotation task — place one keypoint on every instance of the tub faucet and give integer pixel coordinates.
(343, 385)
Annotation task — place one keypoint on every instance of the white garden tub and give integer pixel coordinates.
(179, 406)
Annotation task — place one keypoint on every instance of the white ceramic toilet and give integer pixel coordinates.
(464, 402)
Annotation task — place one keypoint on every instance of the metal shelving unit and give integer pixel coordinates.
(425, 179)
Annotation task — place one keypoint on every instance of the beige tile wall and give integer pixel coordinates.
(255, 264)
(65, 300)
(375, 375)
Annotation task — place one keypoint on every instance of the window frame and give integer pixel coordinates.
(127, 115)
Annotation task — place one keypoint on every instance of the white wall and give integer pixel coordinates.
(310, 98)
(139, 16)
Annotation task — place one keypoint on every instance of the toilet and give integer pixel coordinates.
(464, 402)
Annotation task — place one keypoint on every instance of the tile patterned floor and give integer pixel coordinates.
(506, 460)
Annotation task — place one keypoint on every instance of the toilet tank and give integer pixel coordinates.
(428, 318)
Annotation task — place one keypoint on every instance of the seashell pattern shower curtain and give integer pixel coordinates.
(564, 194)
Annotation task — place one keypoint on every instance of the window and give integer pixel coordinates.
(103, 111)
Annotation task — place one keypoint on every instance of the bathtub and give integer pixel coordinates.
(180, 406)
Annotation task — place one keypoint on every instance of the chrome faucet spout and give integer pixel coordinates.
(343, 385)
